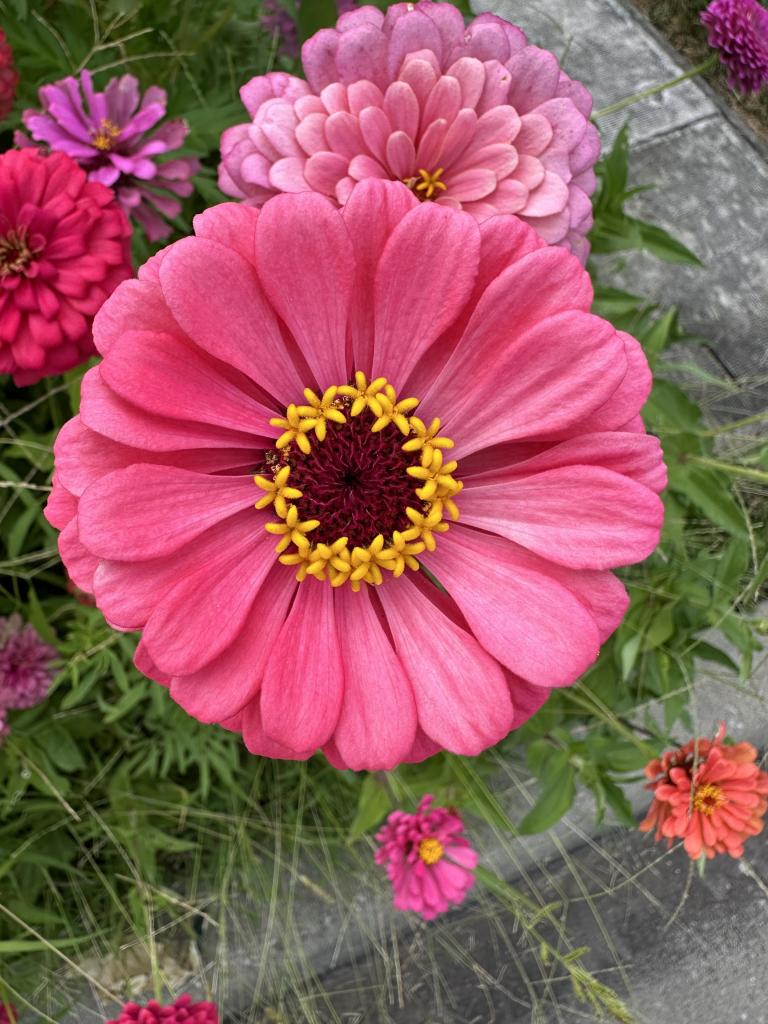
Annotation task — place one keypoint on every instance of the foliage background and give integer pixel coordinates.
(126, 828)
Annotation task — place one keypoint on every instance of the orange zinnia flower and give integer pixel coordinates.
(710, 795)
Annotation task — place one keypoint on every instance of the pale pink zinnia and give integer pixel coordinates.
(710, 794)
(429, 861)
(468, 116)
(381, 368)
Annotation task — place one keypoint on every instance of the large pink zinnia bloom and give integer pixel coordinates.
(64, 247)
(451, 367)
(469, 116)
(430, 863)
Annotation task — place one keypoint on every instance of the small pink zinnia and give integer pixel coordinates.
(377, 370)
(429, 862)
(9, 79)
(7, 1014)
(26, 669)
(183, 1011)
(64, 247)
(467, 116)
(108, 137)
(738, 30)
(710, 795)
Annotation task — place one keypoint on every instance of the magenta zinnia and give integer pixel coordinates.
(26, 671)
(430, 863)
(467, 116)
(738, 30)
(276, 20)
(107, 135)
(183, 1011)
(380, 370)
(64, 247)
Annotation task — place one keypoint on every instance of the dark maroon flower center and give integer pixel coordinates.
(355, 482)
(17, 252)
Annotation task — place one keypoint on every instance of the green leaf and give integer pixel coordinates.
(316, 15)
(708, 491)
(707, 652)
(372, 805)
(556, 796)
(660, 243)
(60, 748)
(661, 628)
(614, 797)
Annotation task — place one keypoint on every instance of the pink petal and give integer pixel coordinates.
(303, 685)
(229, 682)
(362, 94)
(163, 375)
(400, 155)
(377, 724)
(134, 305)
(232, 225)
(215, 296)
(470, 74)
(533, 78)
(375, 129)
(203, 613)
(620, 410)
(145, 511)
(106, 413)
(524, 618)
(413, 309)
(310, 133)
(535, 134)
(373, 211)
(342, 130)
(128, 592)
(551, 196)
(524, 385)
(257, 741)
(617, 520)
(79, 561)
(324, 170)
(302, 240)
(526, 698)
(461, 695)
(467, 186)
(288, 174)
(364, 166)
(402, 108)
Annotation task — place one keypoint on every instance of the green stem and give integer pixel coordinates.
(730, 467)
(759, 417)
(629, 101)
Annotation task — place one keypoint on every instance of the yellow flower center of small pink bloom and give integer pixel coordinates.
(351, 504)
(708, 798)
(430, 850)
(15, 252)
(426, 184)
(104, 136)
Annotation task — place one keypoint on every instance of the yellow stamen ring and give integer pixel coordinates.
(435, 486)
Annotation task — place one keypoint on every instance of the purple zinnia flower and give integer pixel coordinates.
(109, 140)
(25, 665)
(275, 18)
(738, 29)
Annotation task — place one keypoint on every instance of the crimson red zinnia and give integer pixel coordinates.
(64, 247)
(9, 77)
(183, 1011)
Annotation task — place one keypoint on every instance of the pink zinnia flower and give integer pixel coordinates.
(429, 862)
(9, 79)
(710, 795)
(738, 30)
(382, 367)
(468, 116)
(64, 247)
(109, 140)
(26, 671)
(183, 1011)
